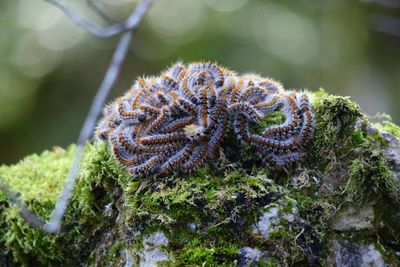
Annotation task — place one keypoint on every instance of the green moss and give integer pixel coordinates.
(39, 179)
(207, 215)
(274, 118)
(218, 208)
(387, 223)
(343, 148)
(196, 253)
(388, 126)
(370, 177)
(243, 155)
(335, 118)
(269, 263)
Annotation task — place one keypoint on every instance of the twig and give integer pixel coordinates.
(26, 214)
(133, 21)
(111, 75)
(104, 32)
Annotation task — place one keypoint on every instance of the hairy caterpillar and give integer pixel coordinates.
(176, 121)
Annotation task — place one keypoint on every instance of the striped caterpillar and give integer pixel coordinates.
(178, 120)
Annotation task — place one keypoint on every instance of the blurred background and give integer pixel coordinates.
(50, 69)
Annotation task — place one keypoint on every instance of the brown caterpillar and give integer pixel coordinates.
(176, 121)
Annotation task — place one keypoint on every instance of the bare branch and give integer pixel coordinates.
(104, 32)
(26, 214)
(133, 21)
(53, 226)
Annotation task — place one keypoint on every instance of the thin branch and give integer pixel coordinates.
(26, 214)
(133, 21)
(53, 226)
(104, 32)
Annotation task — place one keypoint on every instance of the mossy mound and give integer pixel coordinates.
(233, 212)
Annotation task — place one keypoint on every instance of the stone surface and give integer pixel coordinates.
(392, 155)
(249, 257)
(129, 260)
(347, 254)
(268, 223)
(152, 250)
(352, 217)
(270, 220)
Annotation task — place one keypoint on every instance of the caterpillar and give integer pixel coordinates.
(178, 120)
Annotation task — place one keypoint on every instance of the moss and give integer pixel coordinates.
(245, 156)
(335, 114)
(196, 253)
(388, 126)
(210, 214)
(344, 150)
(387, 223)
(38, 176)
(336, 117)
(370, 177)
(204, 214)
(113, 255)
(273, 118)
(269, 263)
(40, 179)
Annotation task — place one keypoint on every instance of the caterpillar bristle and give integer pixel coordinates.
(177, 121)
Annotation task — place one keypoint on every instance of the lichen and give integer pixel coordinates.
(208, 216)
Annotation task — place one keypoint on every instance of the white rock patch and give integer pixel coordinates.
(152, 252)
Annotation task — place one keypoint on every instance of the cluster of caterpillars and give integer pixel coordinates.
(178, 120)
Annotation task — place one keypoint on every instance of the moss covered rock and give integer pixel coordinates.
(339, 206)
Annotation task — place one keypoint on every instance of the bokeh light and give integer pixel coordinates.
(50, 69)
(225, 5)
(177, 21)
(298, 43)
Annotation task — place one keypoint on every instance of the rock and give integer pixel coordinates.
(249, 257)
(392, 155)
(5, 261)
(347, 254)
(267, 224)
(353, 217)
(152, 252)
(129, 260)
(192, 226)
(270, 219)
